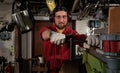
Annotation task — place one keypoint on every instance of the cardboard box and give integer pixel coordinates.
(114, 20)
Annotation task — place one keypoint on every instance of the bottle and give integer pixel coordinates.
(41, 61)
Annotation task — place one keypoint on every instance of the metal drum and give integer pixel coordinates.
(23, 21)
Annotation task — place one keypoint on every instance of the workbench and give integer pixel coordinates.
(96, 62)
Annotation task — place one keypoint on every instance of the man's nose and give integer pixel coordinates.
(61, 19)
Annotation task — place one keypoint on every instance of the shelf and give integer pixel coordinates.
(46, 18)
(39, 69)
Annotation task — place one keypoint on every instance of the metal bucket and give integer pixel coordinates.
(23, 21)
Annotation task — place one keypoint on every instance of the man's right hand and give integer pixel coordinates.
(57, 38)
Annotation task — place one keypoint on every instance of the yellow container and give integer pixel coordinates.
(51, 4)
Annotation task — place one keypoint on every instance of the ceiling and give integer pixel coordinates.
(80, 8)
(74, 6)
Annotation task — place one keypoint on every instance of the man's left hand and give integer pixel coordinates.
(91, 40)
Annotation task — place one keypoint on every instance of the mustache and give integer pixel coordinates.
(61, 23)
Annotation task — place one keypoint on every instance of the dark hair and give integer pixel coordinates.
(59, 8)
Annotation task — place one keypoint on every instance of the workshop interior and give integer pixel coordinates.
(21, 48)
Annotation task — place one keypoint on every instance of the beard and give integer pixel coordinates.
(61, 26)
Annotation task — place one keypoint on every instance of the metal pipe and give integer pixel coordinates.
(74, 5)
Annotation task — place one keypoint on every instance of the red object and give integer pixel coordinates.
(106, 45)
(56, 54)
(9, 68)
(115, 46)
(111, 46)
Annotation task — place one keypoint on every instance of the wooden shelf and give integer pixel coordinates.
(39, 69)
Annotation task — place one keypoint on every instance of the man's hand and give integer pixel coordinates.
(57, 38)
(91, 40)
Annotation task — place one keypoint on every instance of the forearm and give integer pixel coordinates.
(45, 33)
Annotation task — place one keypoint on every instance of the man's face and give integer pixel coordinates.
(61, 19)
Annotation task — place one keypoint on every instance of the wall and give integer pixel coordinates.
(5, 46)
(81, 26)
(37, 41)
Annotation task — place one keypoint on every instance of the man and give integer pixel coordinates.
(56, 49)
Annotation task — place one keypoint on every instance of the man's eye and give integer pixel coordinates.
(64, 16)
(57, 16)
